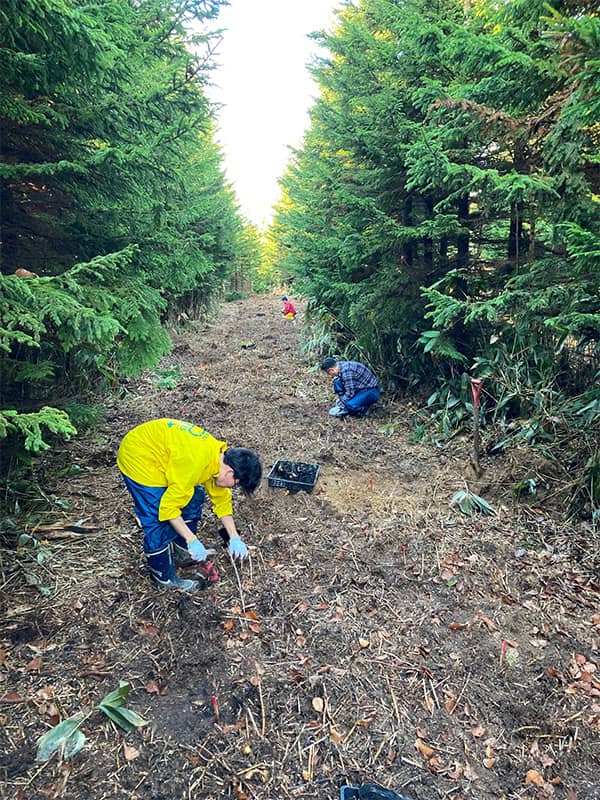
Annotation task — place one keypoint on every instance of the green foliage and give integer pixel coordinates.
(112, 195)
(113, 705)
(231, 297)
(66, 739)
(444, 206)
(84, 416)
(168, 378)
(524, 488)
(32, 427)
(469, 503)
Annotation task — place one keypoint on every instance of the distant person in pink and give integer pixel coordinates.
(289, 312)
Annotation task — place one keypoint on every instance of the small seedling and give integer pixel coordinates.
(168, 378)
(470, 503)
(67, 740)
(525, 487)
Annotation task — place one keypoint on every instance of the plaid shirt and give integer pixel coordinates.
(355, 377)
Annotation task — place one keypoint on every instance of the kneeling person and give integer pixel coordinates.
(169, 467)
(355, 385)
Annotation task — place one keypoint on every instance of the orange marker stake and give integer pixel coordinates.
(215, 705)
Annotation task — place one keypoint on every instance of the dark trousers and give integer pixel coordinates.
(358, 404)
(161, 537)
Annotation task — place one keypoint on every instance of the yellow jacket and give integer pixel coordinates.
(178, 455)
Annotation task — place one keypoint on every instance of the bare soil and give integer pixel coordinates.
(375, 633)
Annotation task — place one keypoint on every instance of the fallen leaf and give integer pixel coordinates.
(435, 764)
(251, 615)
(457, 626)
(34, 664)
(364, 642)
(318, 704)
(551, 672)
(456, 772)
(424, 748)
(533, 776)
(335, 737)
(470, 773)
(254, 627)
(229, 624)
(450, 701)
(490, 756)
(12, 697)
(152, 687)
(478, 731)
(237, 790)
(130, 753)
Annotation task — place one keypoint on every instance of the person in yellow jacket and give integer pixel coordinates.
(169, 466)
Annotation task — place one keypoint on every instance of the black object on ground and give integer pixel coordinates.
(294, 475)
(368, 791)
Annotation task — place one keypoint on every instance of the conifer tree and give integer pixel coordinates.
(113, 200)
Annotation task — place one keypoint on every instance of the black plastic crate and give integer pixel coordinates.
(294, 475)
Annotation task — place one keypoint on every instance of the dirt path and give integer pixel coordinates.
(374, 635)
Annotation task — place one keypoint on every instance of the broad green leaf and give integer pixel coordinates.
(123, 717)
(73, 745)
(64, 737)
(117, 697)
(133, 717)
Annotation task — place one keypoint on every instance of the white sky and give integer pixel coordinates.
(266, 91)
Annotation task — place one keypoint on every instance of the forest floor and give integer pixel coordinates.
(375, 633)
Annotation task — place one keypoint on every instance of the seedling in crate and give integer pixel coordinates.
(294, 475)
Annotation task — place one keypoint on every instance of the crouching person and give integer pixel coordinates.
(169, 467)
(354, 384)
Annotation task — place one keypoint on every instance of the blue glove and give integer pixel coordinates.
(197, 550)
(237, 549)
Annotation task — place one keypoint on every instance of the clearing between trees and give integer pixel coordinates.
(375, 634)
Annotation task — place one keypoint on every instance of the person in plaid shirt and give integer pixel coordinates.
(355, 385)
